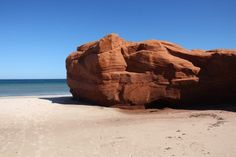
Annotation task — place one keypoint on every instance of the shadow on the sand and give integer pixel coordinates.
(68, 100)
(203, 106)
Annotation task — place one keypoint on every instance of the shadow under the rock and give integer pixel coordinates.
(68, 100)
(197, 106)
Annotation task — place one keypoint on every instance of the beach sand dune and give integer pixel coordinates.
(53, 127)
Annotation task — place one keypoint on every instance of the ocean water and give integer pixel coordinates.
(33, 87)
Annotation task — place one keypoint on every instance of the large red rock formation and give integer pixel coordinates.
(113, 71)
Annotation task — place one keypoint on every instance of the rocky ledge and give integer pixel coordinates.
(112, 71)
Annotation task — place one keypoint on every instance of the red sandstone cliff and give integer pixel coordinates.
(113, 71)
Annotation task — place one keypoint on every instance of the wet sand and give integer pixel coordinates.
(51, 126)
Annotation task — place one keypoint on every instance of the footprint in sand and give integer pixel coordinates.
(219, 120)
(197, 147)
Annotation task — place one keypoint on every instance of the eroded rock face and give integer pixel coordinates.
(113, 71)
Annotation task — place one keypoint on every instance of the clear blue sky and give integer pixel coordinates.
(37, 35)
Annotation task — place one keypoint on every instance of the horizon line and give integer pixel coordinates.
(32, 78)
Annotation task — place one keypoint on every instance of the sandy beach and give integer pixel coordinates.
(51, 126)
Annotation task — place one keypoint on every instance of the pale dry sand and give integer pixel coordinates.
(51, 127)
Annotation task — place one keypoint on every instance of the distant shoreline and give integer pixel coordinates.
(36, 79)
(35, 96)
(33, 87)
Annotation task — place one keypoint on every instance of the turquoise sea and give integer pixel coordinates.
(33, 87)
